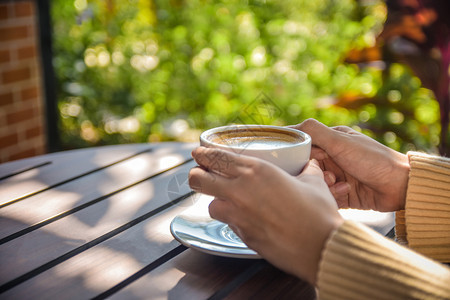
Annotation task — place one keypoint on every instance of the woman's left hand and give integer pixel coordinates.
(286, 219)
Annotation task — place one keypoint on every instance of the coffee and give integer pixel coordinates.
(256, 138)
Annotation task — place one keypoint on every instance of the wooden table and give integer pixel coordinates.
(94, 223)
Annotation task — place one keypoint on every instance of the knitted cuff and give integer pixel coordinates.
(358, 263)
(427, 209)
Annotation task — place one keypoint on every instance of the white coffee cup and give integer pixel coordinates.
(285, 147)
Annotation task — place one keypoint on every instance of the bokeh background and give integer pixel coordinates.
(132, 71)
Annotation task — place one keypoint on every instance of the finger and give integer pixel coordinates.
(341, 192)
(342, 201)
(194, 179)
(321, 135)
(220, 210)
(340, 189)
(330, 166)
(205, 182)
(218, 161)
(329, 177)
(318, 153)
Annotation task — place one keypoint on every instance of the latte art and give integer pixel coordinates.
(255, 139)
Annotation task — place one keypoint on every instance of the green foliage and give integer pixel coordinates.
(142, 70)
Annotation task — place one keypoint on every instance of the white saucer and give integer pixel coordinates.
(195, 229)
(211, 237)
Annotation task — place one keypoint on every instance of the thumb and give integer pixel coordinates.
(312, 168)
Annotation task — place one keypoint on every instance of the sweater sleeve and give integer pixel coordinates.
(425, 223)
(359, 263)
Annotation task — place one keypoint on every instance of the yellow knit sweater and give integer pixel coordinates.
(359, 263)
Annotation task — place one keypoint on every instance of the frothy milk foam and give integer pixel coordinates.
(256, 139)
(258, 142)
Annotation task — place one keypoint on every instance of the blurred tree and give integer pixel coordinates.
(152, 70)
(417, 33)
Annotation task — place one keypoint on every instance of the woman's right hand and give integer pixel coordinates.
(367, 174)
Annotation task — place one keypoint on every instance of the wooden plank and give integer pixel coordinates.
(70, 164)
(62, 166)
(20, 170)
(27, 215)
(57, 157)
(195, 275)
(48, 243)
(190, 275)
(9, 169)
(272, 283)
(101, 267)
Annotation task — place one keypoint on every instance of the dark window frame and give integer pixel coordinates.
(48, 75)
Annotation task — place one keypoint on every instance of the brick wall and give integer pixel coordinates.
(22, 131)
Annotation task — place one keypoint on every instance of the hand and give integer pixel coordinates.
(287, 220)
(368, 175)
